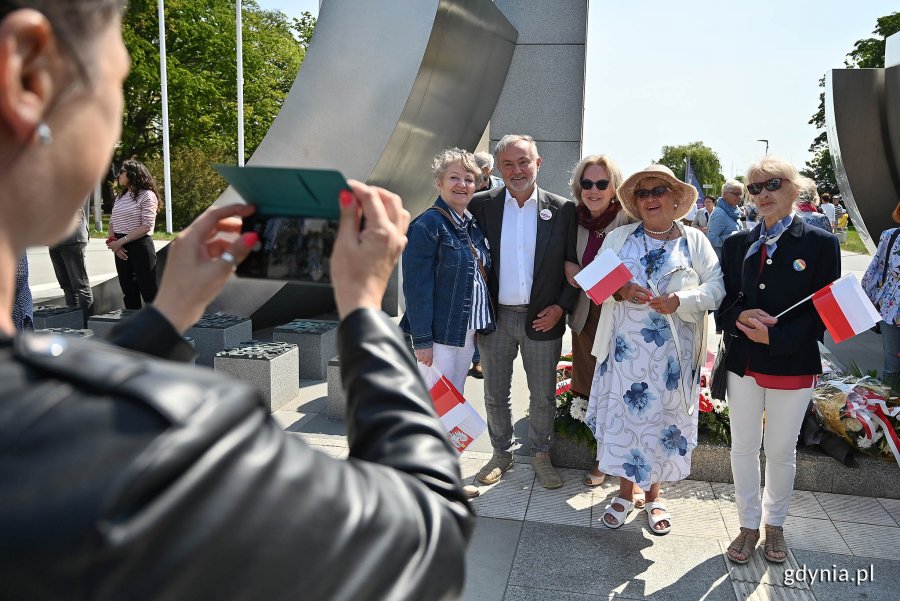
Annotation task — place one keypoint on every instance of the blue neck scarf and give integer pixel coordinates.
(769, 237)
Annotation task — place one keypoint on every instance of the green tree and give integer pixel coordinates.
(820, 169)
(704, 161)
(201, 74)
(866, 54)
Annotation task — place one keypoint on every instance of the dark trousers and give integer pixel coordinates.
(137, 274)
(71, 273)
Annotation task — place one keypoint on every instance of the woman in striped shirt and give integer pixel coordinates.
(131, 233)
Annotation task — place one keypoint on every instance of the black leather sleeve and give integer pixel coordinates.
(129, 478)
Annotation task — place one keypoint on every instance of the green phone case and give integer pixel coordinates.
(288, 191)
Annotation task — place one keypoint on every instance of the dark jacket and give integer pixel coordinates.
(806, 260)
(124, 477)
(439, 278)
(554, 246)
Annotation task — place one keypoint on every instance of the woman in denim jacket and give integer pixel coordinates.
(443, 272)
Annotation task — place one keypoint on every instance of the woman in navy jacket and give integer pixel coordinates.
(772, 362)
(444, 264)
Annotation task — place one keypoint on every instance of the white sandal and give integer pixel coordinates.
(619, 516)
(655, 519)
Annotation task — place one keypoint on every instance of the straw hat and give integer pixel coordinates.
(685, 194)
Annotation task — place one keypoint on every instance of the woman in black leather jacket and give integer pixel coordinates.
(125, 477)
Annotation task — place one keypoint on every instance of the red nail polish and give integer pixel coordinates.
(249, 239)
(346, 198)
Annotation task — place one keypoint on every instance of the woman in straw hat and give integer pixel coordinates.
(771, 363)
(650, 341)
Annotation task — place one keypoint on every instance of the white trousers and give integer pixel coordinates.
(453, 361)
(784, 411)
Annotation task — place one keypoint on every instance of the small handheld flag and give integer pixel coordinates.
(845, 309)
(462, 423)
(603, 276)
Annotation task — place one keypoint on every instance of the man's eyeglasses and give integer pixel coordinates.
(586, 184)
(656, 192)
(771, 185)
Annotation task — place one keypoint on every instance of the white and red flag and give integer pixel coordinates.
(845, 309)
(603, 276)
(462, 423)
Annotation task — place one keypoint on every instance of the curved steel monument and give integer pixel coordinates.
(384, 87)
(862, 113)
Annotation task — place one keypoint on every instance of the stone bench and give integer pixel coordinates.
(317, 341)
(215, 332)
(57, 317)
(103, 324)
(336, 408)
(270, 366)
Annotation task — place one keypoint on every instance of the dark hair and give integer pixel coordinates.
(73, 21)
(709, 197)
(896, 214)
(139, 179)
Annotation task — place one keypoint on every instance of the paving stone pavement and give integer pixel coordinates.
(531, 543)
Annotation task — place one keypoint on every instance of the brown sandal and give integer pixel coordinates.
(775, 544)
(744, 544)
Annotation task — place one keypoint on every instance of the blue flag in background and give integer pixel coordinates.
(691, 178)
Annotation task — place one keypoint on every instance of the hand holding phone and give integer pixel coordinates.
(363, 260)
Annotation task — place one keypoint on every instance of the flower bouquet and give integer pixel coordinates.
(571, 410)
(713, 421)
(862, 412)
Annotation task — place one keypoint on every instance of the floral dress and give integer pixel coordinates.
(637, 410)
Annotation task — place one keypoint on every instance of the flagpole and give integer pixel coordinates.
(167, 175)
(794, 306)
(240, 83)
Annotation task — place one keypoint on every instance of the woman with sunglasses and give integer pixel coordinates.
(651, 338)
(594, 182)
(131, 233)
(771, 359)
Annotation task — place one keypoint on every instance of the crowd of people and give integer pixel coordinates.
(499, 266)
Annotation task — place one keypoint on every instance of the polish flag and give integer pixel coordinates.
(845, 308)
(462, 423)
(603, 276)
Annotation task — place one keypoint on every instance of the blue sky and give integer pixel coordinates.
(724, 72)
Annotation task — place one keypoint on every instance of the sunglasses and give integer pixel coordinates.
(656, 192)
(771, 185)
(586, 184)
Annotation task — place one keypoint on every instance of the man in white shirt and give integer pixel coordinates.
(530, 233)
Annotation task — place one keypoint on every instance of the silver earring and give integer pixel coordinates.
(44, 134)
(675, 206)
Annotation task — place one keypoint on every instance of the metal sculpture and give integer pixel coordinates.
(862, 115)
(383, 88)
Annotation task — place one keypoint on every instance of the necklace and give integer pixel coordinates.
(662, 233)
(652, 257)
